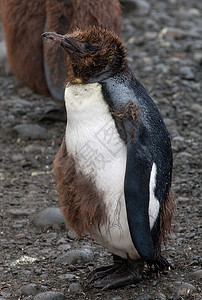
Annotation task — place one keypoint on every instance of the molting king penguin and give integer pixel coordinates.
(114, 167)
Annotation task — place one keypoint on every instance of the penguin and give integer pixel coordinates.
(35, 65)
(114, 167)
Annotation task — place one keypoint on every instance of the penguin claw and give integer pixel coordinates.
(161, 264)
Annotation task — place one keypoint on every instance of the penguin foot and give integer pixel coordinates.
(162, 264)
(122, 273)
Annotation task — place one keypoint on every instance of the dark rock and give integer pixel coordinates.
(49, 217)
(186, 73)
(144, 297)
(50, 295)
(30, 289)
(75, 288)
(31, 132)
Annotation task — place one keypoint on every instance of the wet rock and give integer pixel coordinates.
(50, 295)
(141, 6)
(75, 288)
(182, 288)
(196, 274)
(31, 132)
(49, 217)
(30, 289)
(186, 73)
(144, 297)
(74, 256)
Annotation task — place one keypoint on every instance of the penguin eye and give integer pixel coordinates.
(88, 48)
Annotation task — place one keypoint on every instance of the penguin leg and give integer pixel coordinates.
(123, 272)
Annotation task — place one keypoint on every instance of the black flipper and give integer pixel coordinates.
(136, 188)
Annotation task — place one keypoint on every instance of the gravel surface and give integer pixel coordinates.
(43, 260)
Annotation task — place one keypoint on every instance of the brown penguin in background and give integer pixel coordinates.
(36, 65)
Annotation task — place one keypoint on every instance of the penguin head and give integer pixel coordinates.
(92, 52)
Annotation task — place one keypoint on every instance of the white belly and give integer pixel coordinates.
(93, 140)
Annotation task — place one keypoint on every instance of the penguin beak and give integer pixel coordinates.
(67, 43)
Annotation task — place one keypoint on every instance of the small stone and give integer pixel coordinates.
(16, 212)
(144, 297)
(196, 274)
(31, 132)
(50, 295)
(30, 289)
(64, 247)
(74, 256)
(49, 217)
(160, 296)
(171, 33)
(67, 276)
(72, 234)
(17, 157)
(182, 288)
(186, 73)
(75, 288)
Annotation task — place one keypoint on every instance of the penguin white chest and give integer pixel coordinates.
(93, 140)
(99, 152)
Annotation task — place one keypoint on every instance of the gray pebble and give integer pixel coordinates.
(159, 296)
(182, 288)
(75, 288)
(144, 297)
(186, 73)
(17, 212)
(17, 157)
(64, 247)
(72, 234)
(173, 33)
(49, 217)
(50, 295)
(196, 274)
(30, 289)
(74, 256)
(67, 276)
(31, 131)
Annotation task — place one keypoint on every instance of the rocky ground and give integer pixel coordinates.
(39, 258)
